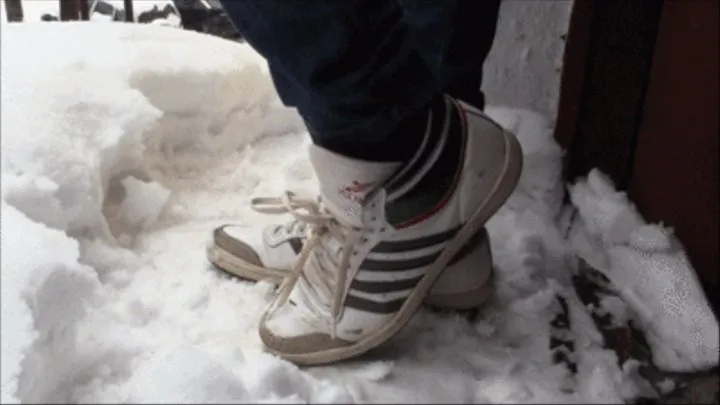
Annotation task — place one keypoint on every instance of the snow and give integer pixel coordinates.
(124, 145)
(524, 65)
(652, 271)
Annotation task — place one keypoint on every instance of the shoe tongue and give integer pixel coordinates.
(344, 182)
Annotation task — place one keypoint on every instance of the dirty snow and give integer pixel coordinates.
(124, 145)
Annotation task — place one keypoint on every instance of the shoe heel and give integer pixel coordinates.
(467, 283)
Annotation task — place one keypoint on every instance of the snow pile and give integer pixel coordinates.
(72, 128)
(124, 145)
(652, 271)
(45, 292)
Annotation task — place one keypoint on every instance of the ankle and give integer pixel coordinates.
(398, 145)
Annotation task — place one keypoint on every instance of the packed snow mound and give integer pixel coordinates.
(45, 292)
(105, 116)
(73, 127)
(652, 271)
(124, 145)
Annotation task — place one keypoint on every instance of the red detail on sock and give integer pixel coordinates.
(355, 191)
(357, 187)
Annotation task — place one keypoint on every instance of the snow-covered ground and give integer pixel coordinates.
(124, 145)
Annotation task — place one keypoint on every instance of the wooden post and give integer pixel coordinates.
(129, 14)
(69, 10)
(675, 173)
(85, 10)
(607, 60)
(13, 9)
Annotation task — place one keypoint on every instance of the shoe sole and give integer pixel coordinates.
(501, 191)
(236, 267)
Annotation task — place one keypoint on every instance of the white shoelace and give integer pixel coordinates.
(325, 277)
(294, 227)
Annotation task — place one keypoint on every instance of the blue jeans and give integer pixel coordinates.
(363, 73)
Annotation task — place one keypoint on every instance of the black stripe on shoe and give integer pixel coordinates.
(439, 174)
(363, 304)
(399, 264)
(378, 287)
(296, 244)
(397, 246)
(381, 287)
(432, 138)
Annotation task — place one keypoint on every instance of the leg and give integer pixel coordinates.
(348, 66)
(454, 37)
(387, 228)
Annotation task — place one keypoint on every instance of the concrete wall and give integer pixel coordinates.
(524, 65)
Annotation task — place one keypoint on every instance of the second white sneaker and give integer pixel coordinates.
(269, 253)
(384, 233)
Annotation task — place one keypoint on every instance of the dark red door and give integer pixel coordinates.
(639, 101)
(675, 172)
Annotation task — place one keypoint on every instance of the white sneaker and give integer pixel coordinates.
(384, 234)
(269, 253)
